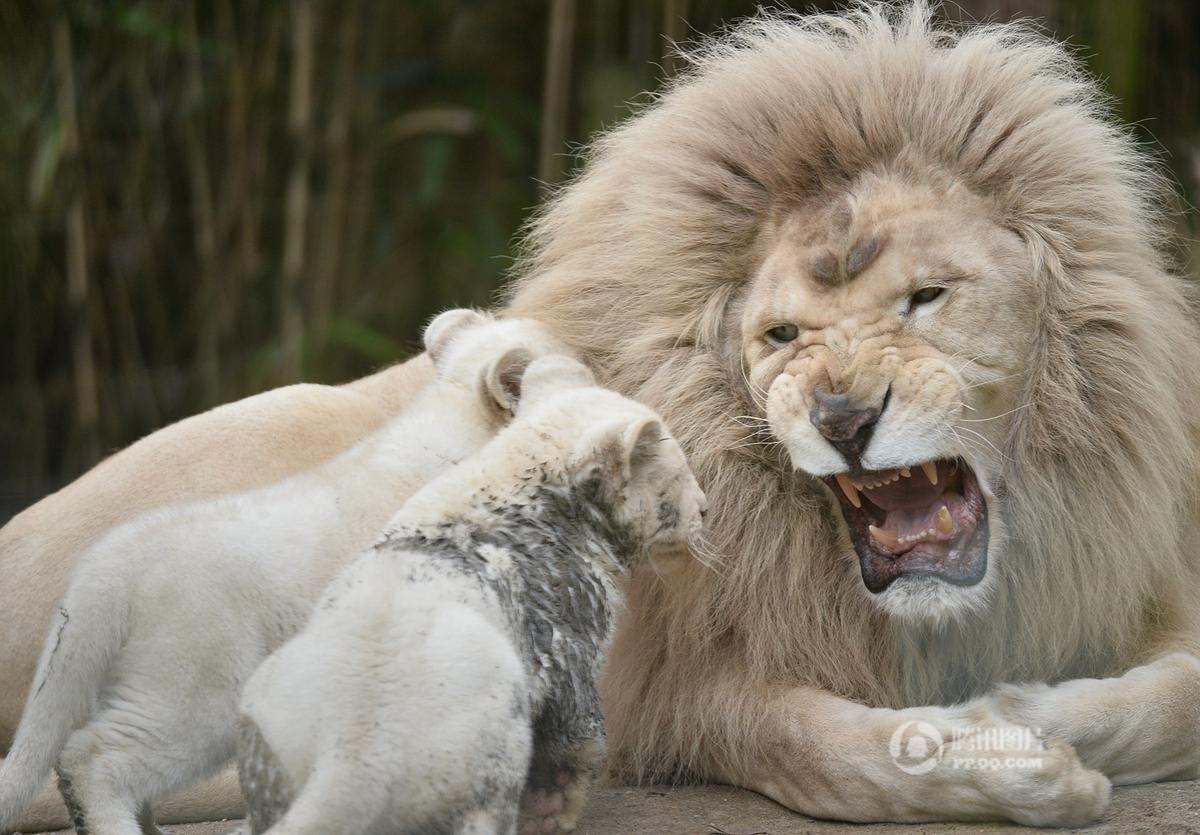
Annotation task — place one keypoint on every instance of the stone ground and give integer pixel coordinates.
(721, 810)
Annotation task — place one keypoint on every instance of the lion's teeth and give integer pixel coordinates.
(906, 472)
(930, 469)
(943, 522)
(884, 536)
(849, 488)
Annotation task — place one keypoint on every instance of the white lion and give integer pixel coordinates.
(897, 288)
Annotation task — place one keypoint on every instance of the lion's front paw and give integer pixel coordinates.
(1025, 704)
(1048, 787)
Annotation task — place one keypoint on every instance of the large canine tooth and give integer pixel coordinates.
(930, 469)
(943, 522)
(849, 489)
(884, 536)
(905, 471)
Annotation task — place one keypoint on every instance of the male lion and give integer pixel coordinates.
(899, 293)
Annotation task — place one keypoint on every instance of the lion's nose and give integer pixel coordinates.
(847, 428)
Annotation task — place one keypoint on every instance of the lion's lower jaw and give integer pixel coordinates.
(931, 601)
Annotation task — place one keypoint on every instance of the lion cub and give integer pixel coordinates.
(137, 689)
(453, 664)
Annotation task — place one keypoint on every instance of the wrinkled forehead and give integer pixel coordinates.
(860, 253)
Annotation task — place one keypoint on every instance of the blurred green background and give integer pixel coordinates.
(201, 200)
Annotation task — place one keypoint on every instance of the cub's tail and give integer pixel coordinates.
(87, 632)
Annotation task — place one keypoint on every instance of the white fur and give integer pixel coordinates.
(165, 618)
(407, 702)
(413, 686)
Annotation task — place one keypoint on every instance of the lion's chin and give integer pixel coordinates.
(929, 520)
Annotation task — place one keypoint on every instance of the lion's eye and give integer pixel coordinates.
(781, 335)
(925, 295)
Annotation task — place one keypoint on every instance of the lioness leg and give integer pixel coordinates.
(831, 758)
(1136, 728)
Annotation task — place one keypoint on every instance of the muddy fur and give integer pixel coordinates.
(529, 561)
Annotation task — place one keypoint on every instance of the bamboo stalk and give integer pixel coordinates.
(235, 190)
(204, 235)
(134, 183)
(330, 244)
(296, 196)
(87, 409)
(556, 92)
(251, 256)
(363, 182)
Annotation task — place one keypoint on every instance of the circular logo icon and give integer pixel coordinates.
(916, 747)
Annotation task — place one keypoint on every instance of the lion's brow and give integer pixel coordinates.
(829, 269)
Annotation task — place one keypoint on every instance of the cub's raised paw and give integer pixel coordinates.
(546, 810)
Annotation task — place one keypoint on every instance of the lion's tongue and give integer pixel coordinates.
(917, 511)
(908, 493)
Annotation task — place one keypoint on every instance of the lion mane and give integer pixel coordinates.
(639, 261)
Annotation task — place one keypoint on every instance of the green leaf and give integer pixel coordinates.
(435, 162)
(364, 340)
(45, 163)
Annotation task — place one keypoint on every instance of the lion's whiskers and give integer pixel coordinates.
(996, 417)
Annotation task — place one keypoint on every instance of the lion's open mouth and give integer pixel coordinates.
(926, 520)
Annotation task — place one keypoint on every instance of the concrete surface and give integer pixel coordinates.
(721, 810)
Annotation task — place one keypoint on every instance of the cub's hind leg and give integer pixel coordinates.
(146, 821)
(81, 823)
(266, 787)
(95, 800)
(132, 753)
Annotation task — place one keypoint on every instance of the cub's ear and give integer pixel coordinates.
(554, 373)
(625, 450)
(503, 378)
(444, 326)
(640, 444)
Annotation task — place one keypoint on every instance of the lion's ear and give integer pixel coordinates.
(503, 378)
(442, 328)
(554, 373)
